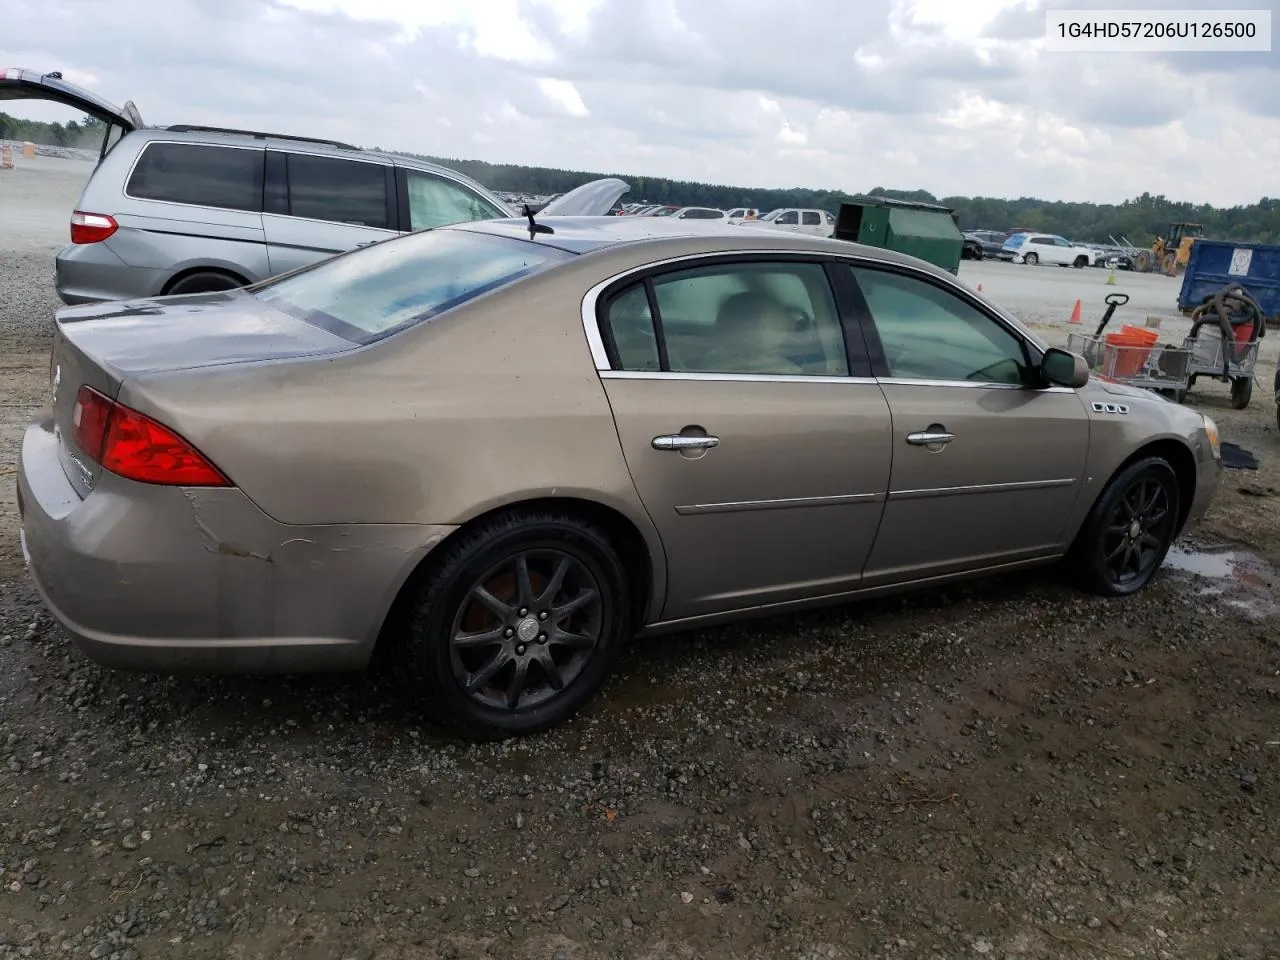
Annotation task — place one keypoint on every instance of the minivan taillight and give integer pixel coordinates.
(91, 227)
(136, 447)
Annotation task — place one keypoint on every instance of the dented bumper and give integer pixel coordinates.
(182, 579)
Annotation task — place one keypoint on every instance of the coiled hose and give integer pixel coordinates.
(1232, 306)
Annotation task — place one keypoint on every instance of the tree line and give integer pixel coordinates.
(1138, 219)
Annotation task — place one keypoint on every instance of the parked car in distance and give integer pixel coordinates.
(813, 223)
(670, 394)
(190, 209)
(738, 214)
(1034, 248)
(981, 244)
(662, 210)
(699, 213)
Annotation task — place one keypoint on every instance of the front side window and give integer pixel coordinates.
(229, 178)
(790, 217)
(376, 290)
(929, 333)
(338, 190)
(774, 319)
(437, 202)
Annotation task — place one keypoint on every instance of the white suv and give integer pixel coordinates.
(815, 223)
(1034, 248)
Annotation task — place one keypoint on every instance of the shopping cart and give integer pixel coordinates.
(1225, 331)
(1134, 355)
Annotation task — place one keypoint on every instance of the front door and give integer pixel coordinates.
(987, 465)
(316, 206)
(762, 462)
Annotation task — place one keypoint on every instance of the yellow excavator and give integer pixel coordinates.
(1169, 253)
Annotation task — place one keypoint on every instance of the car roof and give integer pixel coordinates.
(586, 234)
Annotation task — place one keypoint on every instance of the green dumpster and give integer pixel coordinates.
(925, 230)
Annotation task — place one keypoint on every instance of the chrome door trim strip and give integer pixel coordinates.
(732, 377)
(841, 499)
(929, 492)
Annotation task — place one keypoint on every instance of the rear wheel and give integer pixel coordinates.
(1129, 530)
(1031, 259)
(1080, 262)
(517, 626)
(204, 281)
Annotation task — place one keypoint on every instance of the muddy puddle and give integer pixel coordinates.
(1242, 580)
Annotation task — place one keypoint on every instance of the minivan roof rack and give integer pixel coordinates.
(257, 135)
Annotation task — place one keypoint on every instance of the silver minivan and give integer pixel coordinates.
(189, 209)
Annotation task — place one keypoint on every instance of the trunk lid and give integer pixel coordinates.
(19, 84)
(101, 345)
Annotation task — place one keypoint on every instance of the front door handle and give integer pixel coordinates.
(930, 438)
(677, 442)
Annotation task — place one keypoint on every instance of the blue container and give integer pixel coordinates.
(1215, 264)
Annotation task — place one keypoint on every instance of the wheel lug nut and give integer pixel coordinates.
(542, 638)
(542, 614)
(520, 650)
(524, 611)
(508, 632)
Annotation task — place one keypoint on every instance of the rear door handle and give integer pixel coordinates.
(929, 438)
(677, 442)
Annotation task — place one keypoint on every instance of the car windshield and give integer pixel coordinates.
(378, 290)
(1015, 240)
(771, 215)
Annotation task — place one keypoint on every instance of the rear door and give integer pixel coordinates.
(757, 441)
(811, 223)
(318, 205)
(19, 84)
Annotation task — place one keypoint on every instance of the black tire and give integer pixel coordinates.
(1031, 259)
(1241, 392)
(204, 281)
(1102, 541)
(1081, 262)
(430, 667)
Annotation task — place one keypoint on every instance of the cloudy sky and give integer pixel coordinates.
(953, 96)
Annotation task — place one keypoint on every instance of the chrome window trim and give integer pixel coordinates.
(729, 377)
(595, 342)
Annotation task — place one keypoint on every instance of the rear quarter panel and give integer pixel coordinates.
(494, 403)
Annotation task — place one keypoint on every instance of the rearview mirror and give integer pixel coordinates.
(1064, 369)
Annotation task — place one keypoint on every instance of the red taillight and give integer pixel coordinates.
(135, 447)
(91, 227)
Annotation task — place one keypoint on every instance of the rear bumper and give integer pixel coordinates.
(200, 580)
(91, 272)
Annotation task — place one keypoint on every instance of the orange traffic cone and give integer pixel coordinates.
(1075, 313)
(6, 158)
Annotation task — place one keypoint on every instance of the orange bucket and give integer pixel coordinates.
(1128, 350)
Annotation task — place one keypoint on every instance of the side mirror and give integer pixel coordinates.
(1064, 369)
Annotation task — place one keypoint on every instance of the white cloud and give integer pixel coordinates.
(564, 95)
(953, 96)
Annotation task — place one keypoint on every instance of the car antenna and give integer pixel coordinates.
(535, 228)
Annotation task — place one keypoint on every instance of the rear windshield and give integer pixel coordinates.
(375, 291)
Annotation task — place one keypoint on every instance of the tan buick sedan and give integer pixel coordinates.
(495, 455)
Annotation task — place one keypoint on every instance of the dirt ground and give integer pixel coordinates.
(1007, 769)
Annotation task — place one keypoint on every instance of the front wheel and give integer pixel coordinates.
(1129, 531)
(516, 628)
(1080, 262)
(1031, 259)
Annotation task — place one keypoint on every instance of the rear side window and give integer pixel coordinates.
(197, 173)
(812, 218)
(343, 191)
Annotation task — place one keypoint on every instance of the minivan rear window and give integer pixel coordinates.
(199, 173)
(375, 291)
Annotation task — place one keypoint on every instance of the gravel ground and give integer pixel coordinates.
(1005, 770)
